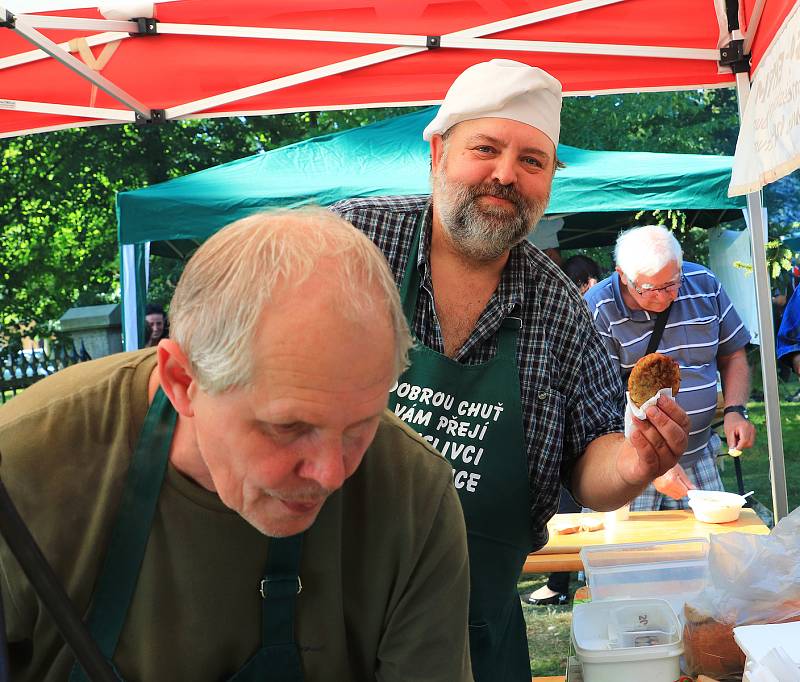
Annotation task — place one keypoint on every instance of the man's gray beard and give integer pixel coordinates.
(484, 233)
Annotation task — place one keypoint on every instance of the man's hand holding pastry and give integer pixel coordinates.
(656, 444)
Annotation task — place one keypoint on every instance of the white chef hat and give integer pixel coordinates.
(501, 88)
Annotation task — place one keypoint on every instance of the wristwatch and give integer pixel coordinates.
(740, 409)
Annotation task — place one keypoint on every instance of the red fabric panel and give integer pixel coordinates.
(775, 11)
(167, 70)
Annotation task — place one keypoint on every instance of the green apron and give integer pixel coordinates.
(472, 414)
(278, 659)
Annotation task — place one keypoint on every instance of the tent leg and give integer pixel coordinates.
(130, 322)
(769, 368)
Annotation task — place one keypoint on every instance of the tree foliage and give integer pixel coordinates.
(58, 238)
(686, 122)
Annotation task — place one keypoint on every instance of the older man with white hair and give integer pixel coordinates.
(655, 292)
(509, 380)
(238, 503)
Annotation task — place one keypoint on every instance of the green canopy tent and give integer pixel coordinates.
(596, 193)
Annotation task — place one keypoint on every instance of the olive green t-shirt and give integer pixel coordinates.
(384, 567)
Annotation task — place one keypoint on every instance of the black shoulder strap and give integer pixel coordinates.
(658, 330)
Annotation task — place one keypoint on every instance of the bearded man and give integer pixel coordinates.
(509, 379)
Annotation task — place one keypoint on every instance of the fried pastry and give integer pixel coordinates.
(650, 374)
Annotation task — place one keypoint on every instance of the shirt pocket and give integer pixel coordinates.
(695, 343)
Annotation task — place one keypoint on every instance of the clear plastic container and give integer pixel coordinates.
(631, 639)
(673, 570)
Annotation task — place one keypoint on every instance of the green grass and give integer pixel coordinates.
(549, 626)
(548, 629)
(755, 461)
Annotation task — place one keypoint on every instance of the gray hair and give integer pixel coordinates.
(236, 272)
(646, 250)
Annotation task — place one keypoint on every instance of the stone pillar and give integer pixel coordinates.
(98, 327)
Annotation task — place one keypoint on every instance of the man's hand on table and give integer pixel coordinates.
(656, 443)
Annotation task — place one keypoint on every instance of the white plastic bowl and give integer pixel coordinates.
(712, 506)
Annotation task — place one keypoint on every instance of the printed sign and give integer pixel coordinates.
(768, 147)
(456, 428)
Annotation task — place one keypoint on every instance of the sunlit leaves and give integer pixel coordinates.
(58, 243)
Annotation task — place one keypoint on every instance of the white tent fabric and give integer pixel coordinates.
(768, 147)
(724, 248)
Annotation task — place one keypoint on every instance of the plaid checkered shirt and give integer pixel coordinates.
(571, 392)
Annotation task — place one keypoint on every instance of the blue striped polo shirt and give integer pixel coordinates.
(702, 325)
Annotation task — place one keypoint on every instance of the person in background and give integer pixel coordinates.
(703, 334)
(508, 378)
(238, 501)
(156, 325)
(788, 342)
(584, 273)
(782, 293)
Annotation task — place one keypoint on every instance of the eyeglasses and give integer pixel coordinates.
(650, 290)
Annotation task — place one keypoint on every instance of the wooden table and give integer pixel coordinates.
(562, 552)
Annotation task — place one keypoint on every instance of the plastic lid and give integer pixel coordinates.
(626, 629)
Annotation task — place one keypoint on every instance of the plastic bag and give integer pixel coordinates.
(751, 579)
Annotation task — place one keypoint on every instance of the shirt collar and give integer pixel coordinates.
(424, 253)
(510, 291)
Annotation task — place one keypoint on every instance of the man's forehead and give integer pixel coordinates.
(670, 271)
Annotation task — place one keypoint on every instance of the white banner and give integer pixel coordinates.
(726, 247)
(768, 147)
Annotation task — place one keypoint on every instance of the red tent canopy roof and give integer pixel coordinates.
(607, 46)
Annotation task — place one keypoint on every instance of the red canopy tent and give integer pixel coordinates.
(203, 58)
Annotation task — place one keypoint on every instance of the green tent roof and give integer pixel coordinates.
(596, 192)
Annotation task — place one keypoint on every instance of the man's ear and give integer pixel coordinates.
(437, 147)
(621, 275)
(175, 375)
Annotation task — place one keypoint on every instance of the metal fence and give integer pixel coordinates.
(19, 368)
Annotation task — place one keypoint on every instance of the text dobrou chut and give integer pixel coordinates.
(449, 433)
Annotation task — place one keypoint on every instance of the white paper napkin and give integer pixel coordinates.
(631, 410)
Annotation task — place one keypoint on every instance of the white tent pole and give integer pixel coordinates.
(119, 115)
(769, 368)
(189, 108)
(37, 55)
(579, 48)
(130, 330)
(51, 48)
(752, 27)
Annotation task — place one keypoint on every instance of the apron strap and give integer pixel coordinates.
(507, 343)
(278, 659)
(279, 590)
(119, 575)
(409, 287)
